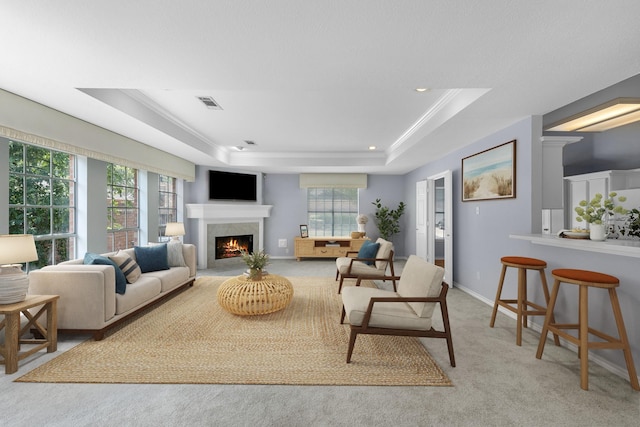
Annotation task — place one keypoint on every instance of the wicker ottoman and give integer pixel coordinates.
(240, 295)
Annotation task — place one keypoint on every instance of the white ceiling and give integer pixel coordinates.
(314, 83)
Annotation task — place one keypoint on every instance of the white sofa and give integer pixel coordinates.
(88, 299)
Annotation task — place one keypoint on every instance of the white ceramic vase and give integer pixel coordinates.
(597, 232)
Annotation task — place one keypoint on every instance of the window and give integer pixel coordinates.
(168, 203)
(42, 190)
(332, 211)
(122, 207)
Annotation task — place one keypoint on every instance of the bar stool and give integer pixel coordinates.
(586, 279)
(522, 304)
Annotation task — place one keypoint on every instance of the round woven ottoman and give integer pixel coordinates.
(240, 295)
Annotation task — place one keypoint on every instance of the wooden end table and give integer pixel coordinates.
(10, 352)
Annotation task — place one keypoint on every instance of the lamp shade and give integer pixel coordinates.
(17, 248)
(174, 229)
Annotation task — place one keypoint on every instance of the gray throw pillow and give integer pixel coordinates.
(174, 254)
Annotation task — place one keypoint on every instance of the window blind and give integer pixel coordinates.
(334, 180)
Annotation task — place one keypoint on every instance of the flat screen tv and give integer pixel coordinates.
(232, 186)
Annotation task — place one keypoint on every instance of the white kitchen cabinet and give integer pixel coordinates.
(586, 186)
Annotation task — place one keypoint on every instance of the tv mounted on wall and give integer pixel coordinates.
(232, 186)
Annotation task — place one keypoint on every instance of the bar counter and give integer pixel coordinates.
(628, 248)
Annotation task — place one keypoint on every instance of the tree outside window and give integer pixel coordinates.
(42, 190)
(123, 225)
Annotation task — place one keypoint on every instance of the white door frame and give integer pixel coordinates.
(448, 222)
(422, 201)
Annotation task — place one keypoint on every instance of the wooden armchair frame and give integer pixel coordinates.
(360, 276)
(364, 328)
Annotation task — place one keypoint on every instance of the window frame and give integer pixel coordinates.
(50, 247)
(345, 208)
(168, 211)
(130, 187)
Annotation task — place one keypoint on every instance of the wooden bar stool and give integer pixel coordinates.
(586, 279)
(521, 306)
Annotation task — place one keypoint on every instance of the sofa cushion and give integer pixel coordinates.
(171, 278)
(152, 258)
(368, 250)
(129, 267)
(138, 294)
(96, 259)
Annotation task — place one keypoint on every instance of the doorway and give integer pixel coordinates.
(434, 222)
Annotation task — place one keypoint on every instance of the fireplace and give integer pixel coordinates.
(233, 246)
(218, 219)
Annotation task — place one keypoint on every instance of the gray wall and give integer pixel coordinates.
(290, 209)
(480, 240)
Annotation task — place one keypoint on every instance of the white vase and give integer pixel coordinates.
(597, 232)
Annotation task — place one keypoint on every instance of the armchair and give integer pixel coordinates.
(407, 312)
(354, 267)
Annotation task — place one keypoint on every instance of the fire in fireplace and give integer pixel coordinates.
(232, 246)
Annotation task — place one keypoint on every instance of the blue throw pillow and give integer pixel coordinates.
(152, 258)
(95, 259)
(368, 250)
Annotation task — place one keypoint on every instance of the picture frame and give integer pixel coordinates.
(490, 174)
(304, 231)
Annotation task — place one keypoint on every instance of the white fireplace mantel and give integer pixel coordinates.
(215, 213)
(221, 211)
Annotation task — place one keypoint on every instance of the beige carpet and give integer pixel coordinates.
(191, 340)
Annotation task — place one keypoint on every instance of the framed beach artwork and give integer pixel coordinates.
(490, 174)
(304, 231)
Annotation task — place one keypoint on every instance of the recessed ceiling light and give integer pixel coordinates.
(248, 142)
(421, 89)
(239, 147)
(372, 147)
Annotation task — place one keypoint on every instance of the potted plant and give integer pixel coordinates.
(256, 261)
(597, 213)
(631, 227)
(388, 220)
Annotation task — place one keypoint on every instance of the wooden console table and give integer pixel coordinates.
(325, 247)
(10, 351)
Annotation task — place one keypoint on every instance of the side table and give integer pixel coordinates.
(245, 297)
(10, 351)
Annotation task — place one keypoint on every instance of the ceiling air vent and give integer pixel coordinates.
(210, 102)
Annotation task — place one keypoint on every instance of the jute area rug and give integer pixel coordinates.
(190, 339)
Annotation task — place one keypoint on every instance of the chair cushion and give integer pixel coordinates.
(420, 279)
(388, 315)
(385, 250)
(358, 268)
(368, 250)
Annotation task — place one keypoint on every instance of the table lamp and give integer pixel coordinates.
(15, 249)
(175, 230)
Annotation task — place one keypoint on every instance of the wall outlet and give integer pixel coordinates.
(282, 243)
(477, 210)
(477, 275)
